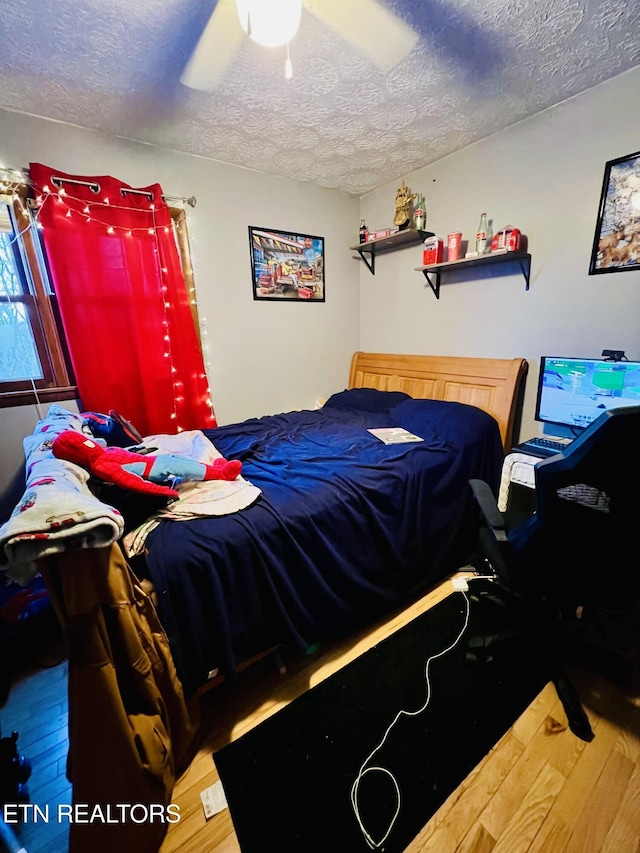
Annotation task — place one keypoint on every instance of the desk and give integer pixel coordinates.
(519, 469)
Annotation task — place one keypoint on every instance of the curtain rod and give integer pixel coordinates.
(95, 187)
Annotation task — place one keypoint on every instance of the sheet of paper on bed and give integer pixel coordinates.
(394, 435)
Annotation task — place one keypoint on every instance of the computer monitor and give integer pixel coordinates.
(572, 392)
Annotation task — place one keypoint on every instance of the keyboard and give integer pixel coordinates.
(541, 446)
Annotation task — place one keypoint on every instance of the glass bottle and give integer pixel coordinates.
(364, 232)
(481, 235)
(419, 214)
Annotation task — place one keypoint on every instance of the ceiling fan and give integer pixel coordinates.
(365, 24)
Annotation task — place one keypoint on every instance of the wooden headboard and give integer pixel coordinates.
(491, 384)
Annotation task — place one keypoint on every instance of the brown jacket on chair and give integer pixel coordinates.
(130, 732)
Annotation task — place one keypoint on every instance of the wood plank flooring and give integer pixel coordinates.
(37, 710)
(540, 790)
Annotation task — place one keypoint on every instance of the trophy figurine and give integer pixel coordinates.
(404, 199)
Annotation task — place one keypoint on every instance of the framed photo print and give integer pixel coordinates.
(286, 266)
(616, 245)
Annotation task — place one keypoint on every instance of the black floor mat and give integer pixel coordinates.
(289, 782)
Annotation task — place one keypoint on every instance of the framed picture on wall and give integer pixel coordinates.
(286, 266)
(616, 245)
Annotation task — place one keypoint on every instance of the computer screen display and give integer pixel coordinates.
(574, 391)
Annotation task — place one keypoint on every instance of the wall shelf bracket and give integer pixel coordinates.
(434, 283)
(369, 261)
(525, 266)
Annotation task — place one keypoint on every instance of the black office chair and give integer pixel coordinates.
(574, 557)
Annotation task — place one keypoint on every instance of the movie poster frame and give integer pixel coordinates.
(616, 244)
(281, 266)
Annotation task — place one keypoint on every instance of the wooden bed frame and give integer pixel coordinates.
(74, 576)
(491, 384)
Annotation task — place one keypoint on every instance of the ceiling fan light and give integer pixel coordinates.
(270, 22)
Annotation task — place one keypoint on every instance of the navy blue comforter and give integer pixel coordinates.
(346, 528)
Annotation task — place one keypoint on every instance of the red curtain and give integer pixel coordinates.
(123, 301)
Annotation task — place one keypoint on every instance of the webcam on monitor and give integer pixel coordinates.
(613, 354)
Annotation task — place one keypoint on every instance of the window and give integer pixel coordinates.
(32, 356)
(34, 363)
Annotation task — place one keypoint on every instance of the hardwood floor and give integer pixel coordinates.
(37, 710)
(540, 790)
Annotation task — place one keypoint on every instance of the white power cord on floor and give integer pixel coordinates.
(461, 587)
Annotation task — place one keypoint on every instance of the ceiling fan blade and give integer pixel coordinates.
(217, 46)
(368, 26)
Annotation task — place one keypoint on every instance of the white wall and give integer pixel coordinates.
(543, 176)
(264, 357)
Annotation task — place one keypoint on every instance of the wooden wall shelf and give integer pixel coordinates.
(407, 237)
(432, 272)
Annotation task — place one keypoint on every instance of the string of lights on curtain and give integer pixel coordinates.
(88, 202)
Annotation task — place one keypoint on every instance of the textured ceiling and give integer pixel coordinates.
(478, 67)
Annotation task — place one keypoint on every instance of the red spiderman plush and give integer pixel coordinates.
(136, 471)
